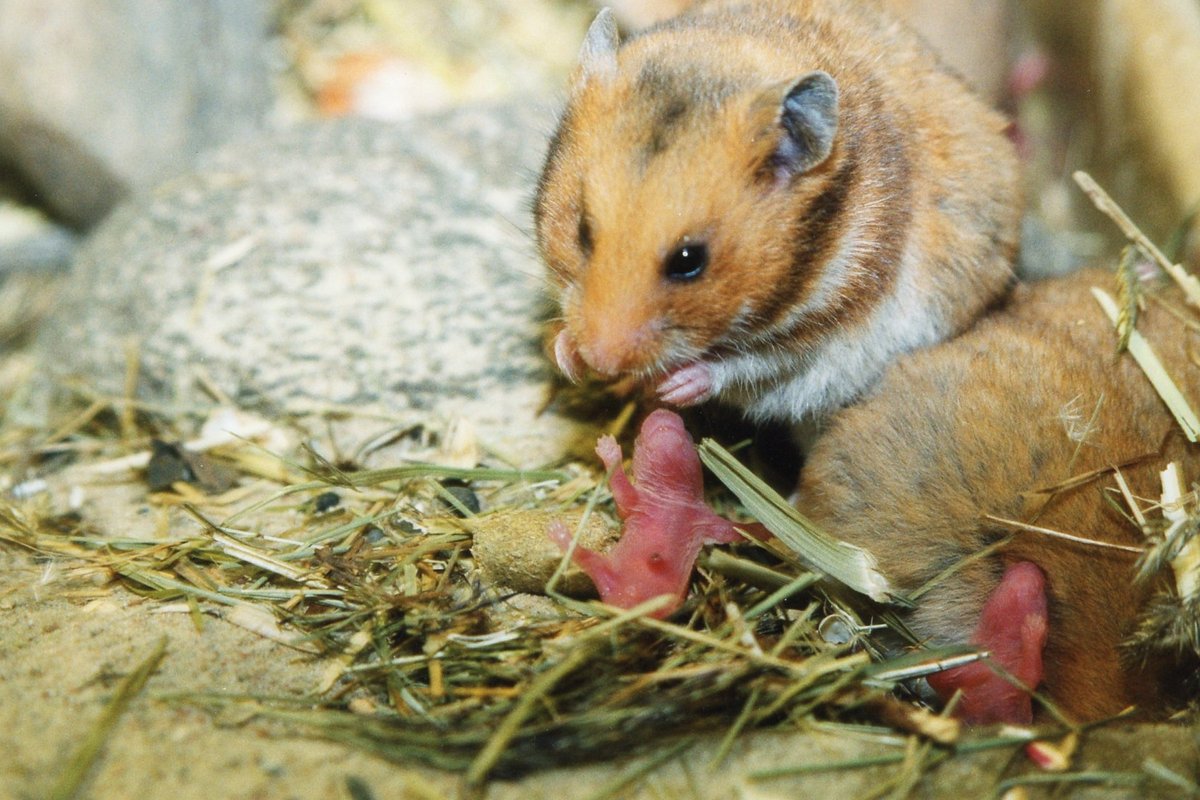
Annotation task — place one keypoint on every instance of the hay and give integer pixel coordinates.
(427, 662)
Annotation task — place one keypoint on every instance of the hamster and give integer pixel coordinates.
(1030, 397)
(666, 520)
(767, 202)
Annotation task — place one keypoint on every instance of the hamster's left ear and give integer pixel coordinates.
(803, 126)
(598, 55)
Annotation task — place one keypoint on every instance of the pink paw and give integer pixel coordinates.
(560, 534)
(688, 385)
(1028, 73)
(609, 452)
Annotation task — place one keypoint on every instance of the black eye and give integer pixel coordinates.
(687, 263)
(585, 236)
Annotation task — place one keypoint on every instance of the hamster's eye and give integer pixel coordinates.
(585, 236)
(687, 262)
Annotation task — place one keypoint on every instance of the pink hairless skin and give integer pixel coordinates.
(1012, 627)
(666, 518)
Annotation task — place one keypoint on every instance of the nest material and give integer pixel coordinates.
(376, 571)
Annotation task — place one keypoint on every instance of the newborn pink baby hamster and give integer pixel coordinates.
(666, 520)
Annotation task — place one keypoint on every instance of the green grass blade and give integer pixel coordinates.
(852, 566)
(72, 778)
(1146, 358)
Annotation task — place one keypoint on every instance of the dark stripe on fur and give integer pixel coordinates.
(817, 233)
(886, 225)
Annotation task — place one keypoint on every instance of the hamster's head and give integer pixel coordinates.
(680, 207)
(665, 462)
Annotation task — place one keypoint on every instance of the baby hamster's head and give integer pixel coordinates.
(681, 201)
(664, 458)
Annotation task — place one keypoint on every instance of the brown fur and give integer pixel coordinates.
(971, 426)
(676, 147)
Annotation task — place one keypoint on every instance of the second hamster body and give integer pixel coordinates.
(767, 202)
(1025, 401)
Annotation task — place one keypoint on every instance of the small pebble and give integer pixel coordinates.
(362, 706)
(26, 490)
(325, 501)
(167, 465)
(465, 496)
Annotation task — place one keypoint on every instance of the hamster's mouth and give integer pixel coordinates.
(688, 384)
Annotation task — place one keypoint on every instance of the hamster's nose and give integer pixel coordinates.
(614, 349)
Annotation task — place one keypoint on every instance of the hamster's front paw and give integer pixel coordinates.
(688, 386)
(566, 356)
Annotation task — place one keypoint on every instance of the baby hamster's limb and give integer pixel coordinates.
(1012, 628)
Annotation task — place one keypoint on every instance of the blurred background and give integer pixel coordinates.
(101, 99)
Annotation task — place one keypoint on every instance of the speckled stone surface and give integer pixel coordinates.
(366, 265)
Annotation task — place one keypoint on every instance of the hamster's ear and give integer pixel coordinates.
(598, 56)
(804, 123)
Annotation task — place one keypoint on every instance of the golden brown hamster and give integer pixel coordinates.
(767, 202)
(1029, 398)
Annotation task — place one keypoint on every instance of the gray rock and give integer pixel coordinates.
(96, 98)
(351, 264)
(29, 242)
